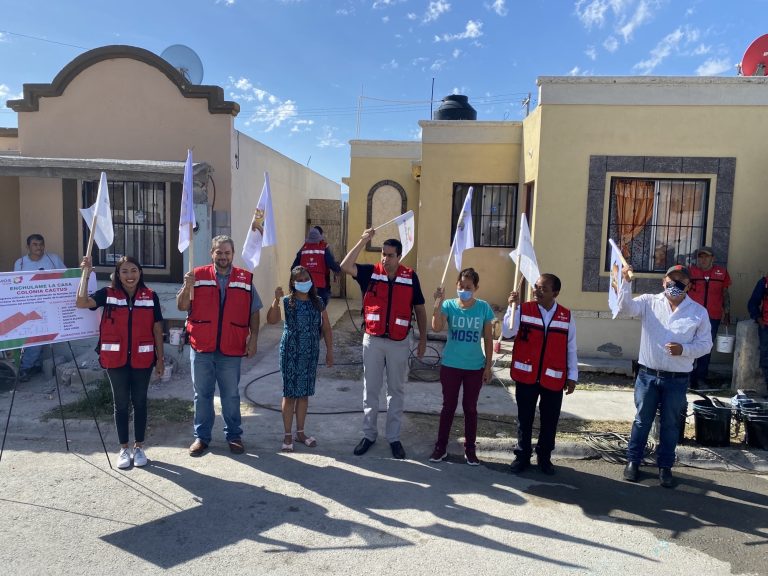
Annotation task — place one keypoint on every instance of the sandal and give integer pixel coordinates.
(287, 447)
(309, 442)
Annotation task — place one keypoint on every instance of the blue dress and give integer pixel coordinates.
(299, 347)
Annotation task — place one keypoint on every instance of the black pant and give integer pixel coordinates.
(129, 386)
(526, 396)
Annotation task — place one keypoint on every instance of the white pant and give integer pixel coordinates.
(380, 354)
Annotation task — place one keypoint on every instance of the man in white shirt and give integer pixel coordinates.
(36, 259)
(544, 365)
(675, 331)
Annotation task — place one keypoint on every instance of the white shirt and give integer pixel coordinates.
(546, 316)
(687, 325)
(49, 261)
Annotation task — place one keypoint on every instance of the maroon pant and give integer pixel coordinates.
(452, 380)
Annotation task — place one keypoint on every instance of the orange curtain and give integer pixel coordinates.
(634, 208)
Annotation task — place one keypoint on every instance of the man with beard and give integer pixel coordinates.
(223, 324)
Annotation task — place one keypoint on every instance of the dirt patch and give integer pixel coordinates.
(99, 401)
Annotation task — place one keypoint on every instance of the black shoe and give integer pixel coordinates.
(631, 471)
(397, 450)
(519, 465)
(363, 446)
(546, 467)
(25, 376)
(665, 478)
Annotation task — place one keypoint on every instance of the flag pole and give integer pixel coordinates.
(518, 284)
(191, 256)
(388, 222)
(450, 255)
(623, 260)
(82, 290)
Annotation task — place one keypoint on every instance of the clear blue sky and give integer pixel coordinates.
(298, 67)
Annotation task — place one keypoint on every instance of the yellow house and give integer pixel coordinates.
(128, 112)
(661, 165)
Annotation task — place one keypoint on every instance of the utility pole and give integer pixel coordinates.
(527, 104)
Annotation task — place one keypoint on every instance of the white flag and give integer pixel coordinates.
(262, 230)
(528, 265)
(464, 238)
(617, 280)
(406, 226)
(187, 215)
(104, 234)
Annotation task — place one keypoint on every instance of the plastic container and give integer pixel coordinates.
(168, 372)
(724, 342)
(174, 336)
(712, 423)
(756, 431)
(754, 414)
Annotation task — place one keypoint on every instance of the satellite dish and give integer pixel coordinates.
(755, 59)
(186, 61)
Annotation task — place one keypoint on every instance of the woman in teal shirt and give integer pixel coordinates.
(466, 361)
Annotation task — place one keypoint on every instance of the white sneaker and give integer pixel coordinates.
(124, 458)
(139, 457)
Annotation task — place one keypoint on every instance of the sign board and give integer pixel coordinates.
(38, 308)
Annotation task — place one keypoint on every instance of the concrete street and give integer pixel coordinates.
(324, 510)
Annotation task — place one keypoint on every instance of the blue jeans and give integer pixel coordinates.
(762, 332)
(668, 395)
(208, 368)
(31, 357)
(701, 366)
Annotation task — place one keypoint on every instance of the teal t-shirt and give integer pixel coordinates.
(464, 348)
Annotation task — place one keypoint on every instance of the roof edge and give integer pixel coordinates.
(33, 92)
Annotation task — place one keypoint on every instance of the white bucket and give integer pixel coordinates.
(724, 343)
(167, 372)
(174, 336)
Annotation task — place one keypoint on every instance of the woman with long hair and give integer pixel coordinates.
(130, 345)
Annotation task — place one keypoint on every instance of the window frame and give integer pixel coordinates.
(647, 257)
(458, 195)
(162, 188)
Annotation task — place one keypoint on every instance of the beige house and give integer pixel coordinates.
(661, 165)
(128, 112)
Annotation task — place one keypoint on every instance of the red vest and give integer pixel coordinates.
(213, 326)
(540, 357)
(126, 334)
(707, 287)
(313, 259)
(389, 314)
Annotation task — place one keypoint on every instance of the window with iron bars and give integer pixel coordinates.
(657, 223)
(139, 220)
(494, 212)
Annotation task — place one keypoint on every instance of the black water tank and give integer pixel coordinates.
(455, 107)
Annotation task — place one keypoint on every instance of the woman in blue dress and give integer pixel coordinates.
(305, 320)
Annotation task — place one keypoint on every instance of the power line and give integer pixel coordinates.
(30, 37)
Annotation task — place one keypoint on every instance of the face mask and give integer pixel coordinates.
(674, 289)
(303, 287)
(464, 295)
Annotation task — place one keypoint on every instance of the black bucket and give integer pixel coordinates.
(712, 423)
(755, 416)
(756, 428)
